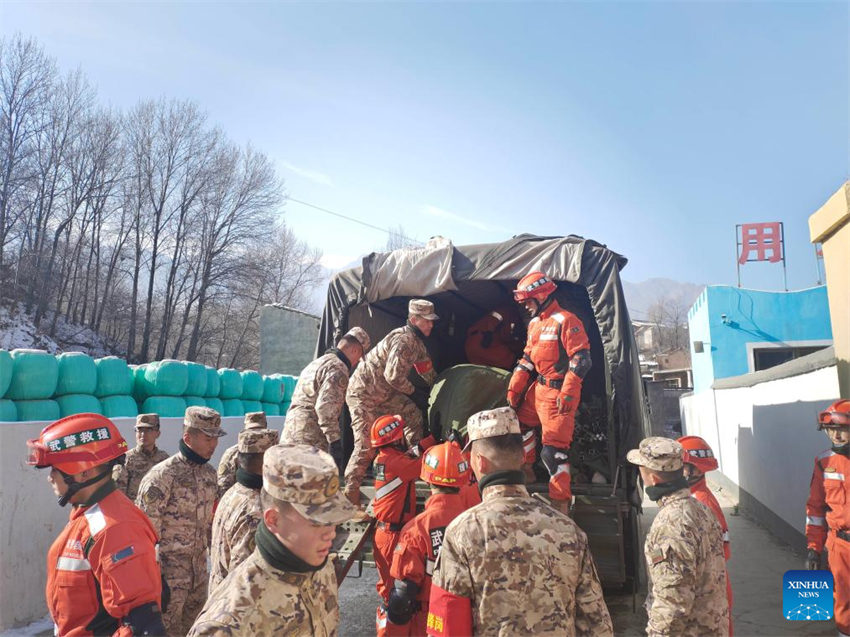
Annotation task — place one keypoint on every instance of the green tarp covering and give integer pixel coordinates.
(463, 390)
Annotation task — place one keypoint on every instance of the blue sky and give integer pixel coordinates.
(651, 127)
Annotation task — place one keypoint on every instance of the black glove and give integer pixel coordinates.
(335, 449)
(419, 397)
(145, 620)
(812, 560)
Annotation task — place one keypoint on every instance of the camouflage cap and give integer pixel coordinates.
(423, 308)
(257, 440)
(307, 478)
(657, 453)
(359, 335)
(490, 423)
(148, 421)
(255, 420)
(204, 419)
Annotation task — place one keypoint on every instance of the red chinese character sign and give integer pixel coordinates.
(761, 242)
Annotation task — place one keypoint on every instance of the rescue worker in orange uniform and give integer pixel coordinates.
(699, 459)
(102, 572)
(491, 340)
(396, 469)
(828, 508)
(545, 388)
(415, 555)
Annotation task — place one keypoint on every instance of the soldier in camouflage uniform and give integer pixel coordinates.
(239, 512)
(512, 565)
(684, 549)
(139, 461)
(227, 465)
(287, 586)
(381, 386)
(179, 495)
(313, 416)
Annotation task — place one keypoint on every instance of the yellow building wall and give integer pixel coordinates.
(830, 226)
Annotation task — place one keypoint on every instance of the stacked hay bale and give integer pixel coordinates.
(35, 374)
(8, 411)
(114, 388)
(211, 395)
(164, 383)
(76, 384)
(35, 385)
(231, 392)
(252, 391)
(196, 386)
(272, 394)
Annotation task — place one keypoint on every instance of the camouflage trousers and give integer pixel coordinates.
(304, 431)
(188, 591)
(364, 413)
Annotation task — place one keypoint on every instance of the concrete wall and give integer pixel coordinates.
(753, 319)
(765, 438)
(830, 226)
(287, 340)
(30, 519)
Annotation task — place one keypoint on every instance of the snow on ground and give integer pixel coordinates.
(17, 331)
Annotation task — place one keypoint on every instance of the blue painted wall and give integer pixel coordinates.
(753, 316)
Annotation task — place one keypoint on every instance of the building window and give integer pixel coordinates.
(767, 357)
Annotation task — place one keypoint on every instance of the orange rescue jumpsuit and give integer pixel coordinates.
(394, 504)
(102, 566)
(417, 551)
(828, 523)
(554, 337)
(490, 340)
(702, 493)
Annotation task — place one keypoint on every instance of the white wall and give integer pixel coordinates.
(30, 519)
(765, 436)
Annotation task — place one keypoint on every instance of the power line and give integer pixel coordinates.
(352, 219)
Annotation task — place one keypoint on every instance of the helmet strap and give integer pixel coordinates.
(74, 486)
(693, 480)
(542, 305)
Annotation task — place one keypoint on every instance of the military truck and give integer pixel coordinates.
(466, 282)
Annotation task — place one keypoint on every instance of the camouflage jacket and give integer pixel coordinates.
(178, 497)
(226, 473)
(236, 519)
(258, 599)
(129, 476)
(384, 370)
(687, 570)
(525, 567)
(318, 399)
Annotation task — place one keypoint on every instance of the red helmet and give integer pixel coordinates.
(836, 415)
(387, 430)
(534, 285)
(445, 466)
(76, 443)
(698, 453)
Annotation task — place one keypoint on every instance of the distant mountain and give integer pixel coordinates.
(642, 296)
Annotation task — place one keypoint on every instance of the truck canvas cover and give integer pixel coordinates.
(465, 282)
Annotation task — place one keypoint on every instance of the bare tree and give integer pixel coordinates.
(670, 322)
(147, 222)
(237, 209)
(26, 77)
(399, 240)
